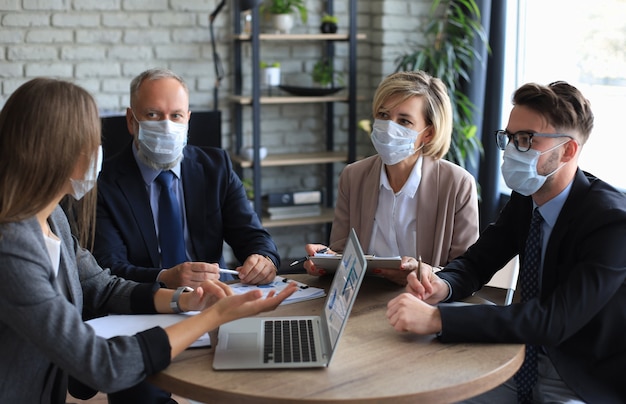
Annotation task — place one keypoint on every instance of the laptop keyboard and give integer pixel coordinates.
(289, 341)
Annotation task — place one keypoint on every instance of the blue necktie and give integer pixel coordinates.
(171, 237)
(526, 377)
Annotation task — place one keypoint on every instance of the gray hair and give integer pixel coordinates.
(153, 74)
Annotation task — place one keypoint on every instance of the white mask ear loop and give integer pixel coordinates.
(423, 143)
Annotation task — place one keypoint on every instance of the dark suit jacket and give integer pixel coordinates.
(580, 315)
(216, 206)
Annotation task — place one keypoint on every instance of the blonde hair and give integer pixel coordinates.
(44, 126)
(437, 107)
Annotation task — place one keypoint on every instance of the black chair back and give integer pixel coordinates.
(205, 129)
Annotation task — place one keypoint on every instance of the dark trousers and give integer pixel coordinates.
(142, 393)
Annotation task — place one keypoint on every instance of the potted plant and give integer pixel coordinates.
(282, 13)
(447, 52)
(270, 73)
(248, 186)
(323, 73)
(329, 24)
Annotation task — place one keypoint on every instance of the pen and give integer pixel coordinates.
(301, 260)
(229, 271)
(300, 285)
(419, 268)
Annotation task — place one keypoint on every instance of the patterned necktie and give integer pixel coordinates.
(171, 238)
(526, 377)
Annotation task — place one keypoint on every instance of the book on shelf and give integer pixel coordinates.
(294, 198)
(290, 212)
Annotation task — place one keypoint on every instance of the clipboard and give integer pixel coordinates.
(329, 262)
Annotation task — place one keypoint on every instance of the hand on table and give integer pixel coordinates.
(408, 313)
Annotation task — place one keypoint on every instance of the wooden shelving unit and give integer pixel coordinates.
(254, 99)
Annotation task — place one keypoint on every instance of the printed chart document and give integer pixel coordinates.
(304, 292)
(329, 262)
(115, 325)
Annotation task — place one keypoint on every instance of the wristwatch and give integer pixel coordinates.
(174, 303)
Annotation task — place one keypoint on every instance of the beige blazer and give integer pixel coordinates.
(447, 216)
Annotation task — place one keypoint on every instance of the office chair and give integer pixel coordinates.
(506, 278)
(205, 130)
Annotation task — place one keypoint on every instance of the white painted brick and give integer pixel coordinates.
(49, 36)
(177, 52)
(100, 36)
(92, 5)
(9, 86)
(106, 101)
(191, 35)
(147, 36)
(130, 52)
(121, 20)
(195, 5)
(116, 86)
(95, 69)
(31, 52)
(82, 52)
(57, 69)
(91, 85)
(10, 5)
(8, 69)
(192, 68)
(75, 20)
(47, 4)
(11, 36)
(144, 5)
(25, 20)
(173, 19)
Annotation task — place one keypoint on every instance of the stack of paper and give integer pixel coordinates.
(130, 324)
(304, 292)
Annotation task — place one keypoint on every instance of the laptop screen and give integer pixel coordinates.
(342, 292)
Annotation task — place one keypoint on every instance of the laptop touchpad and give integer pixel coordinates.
(242, 341)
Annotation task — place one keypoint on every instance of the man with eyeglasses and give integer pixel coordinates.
(572, 310)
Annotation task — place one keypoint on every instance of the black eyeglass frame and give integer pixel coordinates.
(503, 138)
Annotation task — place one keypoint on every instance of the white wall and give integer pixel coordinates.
(102, 44)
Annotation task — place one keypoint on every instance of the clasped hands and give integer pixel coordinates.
(256, 269)
(414, 310)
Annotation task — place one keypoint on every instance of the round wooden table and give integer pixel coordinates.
(373, 364)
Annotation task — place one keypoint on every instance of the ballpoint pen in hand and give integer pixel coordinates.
(301, 260)
(419, 268)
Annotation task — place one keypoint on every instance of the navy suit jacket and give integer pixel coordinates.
(580, 316)
(216, 206)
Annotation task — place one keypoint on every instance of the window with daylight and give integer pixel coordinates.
(583, 43)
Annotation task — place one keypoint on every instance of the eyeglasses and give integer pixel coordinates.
(522, 140)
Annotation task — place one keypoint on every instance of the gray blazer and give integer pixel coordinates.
(43, 338)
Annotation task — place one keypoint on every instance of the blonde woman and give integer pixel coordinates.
(406, 200)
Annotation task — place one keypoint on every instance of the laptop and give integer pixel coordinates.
(295, 342)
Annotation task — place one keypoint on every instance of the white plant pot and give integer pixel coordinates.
(283, 22)
(248, 153)
(271, 76)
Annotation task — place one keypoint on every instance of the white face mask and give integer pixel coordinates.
(519, 169)
(162, 142)
(394, 142)
(81, 187)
